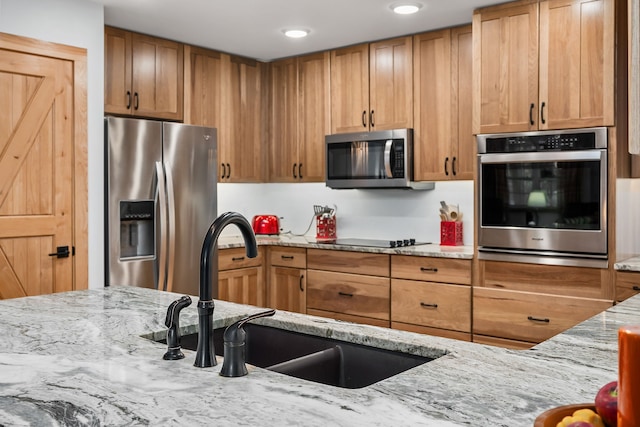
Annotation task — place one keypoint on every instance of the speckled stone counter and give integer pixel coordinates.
(631, 264)
(81, 358)
(430, 250)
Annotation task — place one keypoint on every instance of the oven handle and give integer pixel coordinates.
(387, 157)
(582, 155)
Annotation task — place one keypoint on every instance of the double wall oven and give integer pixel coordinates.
(543, 197)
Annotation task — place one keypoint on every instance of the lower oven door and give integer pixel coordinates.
(551, 203)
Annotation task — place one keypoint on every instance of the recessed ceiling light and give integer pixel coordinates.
(405, 8)
(296, 34)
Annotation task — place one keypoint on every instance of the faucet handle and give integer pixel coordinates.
(234, 346)
(172, 322)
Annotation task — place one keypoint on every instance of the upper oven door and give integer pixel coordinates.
(547, 201)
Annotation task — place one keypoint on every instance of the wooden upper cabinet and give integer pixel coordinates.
(205, 72)
(241, 153)
(283, 158)
(314, 115)
(391, 84)
(350, 89)
(444, 145)
(577, 43)
(300, 118)
(544, 66)
(506, 53)
(143, 75)
(372, 86)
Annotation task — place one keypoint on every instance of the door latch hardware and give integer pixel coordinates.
(61, 252)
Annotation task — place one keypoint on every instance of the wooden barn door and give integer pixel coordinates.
(37, 174)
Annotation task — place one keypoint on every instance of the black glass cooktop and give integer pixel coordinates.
(379, 243)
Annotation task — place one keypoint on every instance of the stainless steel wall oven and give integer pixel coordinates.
(543, 197)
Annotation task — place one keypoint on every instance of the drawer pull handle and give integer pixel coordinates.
(538, 319)
(636, 288)
(428, 269)
(345, 294)
(286, 256)
(237, 258)
(426, 305)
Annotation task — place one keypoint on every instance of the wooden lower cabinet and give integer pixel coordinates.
(353, 294)
(502, 342)
(528, 316)
(434, 305)
(627, 285)
(445, 333)
(287, 285)
(241, 279)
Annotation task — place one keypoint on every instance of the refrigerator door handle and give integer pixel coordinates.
(162, 202)
(171, 236)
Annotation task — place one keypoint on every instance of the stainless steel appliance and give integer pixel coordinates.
(382, 159)
(543, 197)
(160, 199)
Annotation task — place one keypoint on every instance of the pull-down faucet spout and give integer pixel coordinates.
(205, 354)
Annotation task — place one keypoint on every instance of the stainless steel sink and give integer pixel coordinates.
(323, 360)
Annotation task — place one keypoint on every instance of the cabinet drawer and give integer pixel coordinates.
(349, 318)
(288, 257)
(443, 270)
(431, 304)
(627, 285)
(348, 262)
(229, 259)
(527, 316)
(348, 293)
(502, 342)
(437, 332)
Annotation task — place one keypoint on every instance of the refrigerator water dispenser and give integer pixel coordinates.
(137, 236)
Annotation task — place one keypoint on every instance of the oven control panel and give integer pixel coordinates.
(568, 140)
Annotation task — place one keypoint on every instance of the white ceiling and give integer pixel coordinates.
(253, 28)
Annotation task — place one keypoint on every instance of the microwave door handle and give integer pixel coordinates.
(387, 158)
(161, 195)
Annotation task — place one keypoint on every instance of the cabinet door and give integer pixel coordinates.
(576, 63)
(314, 115)
(283, 158)
(432, 80)
(117, 71)
(243, 147)
(242, 286)
(287, 289)
(391, 84)
(203, 84)
(350, 89)
(463, 144)
(157, 78)
(505, 45)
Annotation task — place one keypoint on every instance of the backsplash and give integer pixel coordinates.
(376, 214)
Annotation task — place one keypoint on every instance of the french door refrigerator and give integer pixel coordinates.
(160, 199)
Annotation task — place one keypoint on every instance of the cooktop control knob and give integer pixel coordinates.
(399, 243)
(412, 241)
(392, 243)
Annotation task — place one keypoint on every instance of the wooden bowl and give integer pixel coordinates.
(553, 416)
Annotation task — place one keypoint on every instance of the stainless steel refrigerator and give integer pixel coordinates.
(160, 199)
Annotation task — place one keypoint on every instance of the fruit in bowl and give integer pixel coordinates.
(607, 403)
(583, 417)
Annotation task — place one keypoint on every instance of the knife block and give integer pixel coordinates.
(451, 233)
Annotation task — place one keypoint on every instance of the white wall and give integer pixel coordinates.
(377, 214)
(76, 23)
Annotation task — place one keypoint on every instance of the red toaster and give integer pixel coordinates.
(266, 224)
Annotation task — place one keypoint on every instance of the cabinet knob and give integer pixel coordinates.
(364, 119)
(300, 170)
(531, 107)
(128, 99)
(300, 284)
(542, 119)
(446, 166)
(453, 166)
(345, 294)
(371, 118)
(295, 175)
(428, 269)
(428, 305)
(136, 100)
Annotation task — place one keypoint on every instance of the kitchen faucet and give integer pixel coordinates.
(205, 353)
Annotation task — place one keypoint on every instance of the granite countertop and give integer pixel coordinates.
(630, 264)
(430, 250)
(81, 358)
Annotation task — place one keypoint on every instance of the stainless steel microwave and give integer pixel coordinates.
(381, 159)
